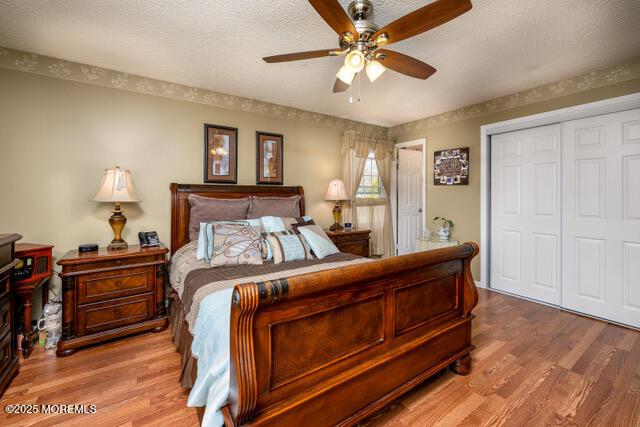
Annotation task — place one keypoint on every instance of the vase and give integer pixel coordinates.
(443, 233)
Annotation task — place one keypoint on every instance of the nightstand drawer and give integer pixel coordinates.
(349, 237)
(355, 247)
(111, 263)
(112, 314)
(115, 284)
(354, 242)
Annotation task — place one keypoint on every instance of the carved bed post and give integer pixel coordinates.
(470, 290)
(462, 366)
(243, 385)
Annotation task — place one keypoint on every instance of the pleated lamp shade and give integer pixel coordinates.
(336, 191)
(116, 186)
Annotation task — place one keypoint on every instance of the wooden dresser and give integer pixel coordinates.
(8, 344)
(110, 294)
(354, 241)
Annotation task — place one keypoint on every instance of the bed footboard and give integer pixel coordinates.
(333, 347)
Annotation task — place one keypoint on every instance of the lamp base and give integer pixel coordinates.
(337, 214)
(117, 222)
(117, 245)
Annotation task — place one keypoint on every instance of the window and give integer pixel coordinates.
(370, 185)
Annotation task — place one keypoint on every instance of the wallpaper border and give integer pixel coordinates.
(59, 68)
(594, 79)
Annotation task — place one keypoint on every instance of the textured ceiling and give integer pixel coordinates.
(499, 47)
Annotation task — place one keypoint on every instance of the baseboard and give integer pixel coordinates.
(478, 284)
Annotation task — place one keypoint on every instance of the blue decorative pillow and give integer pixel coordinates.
(272, 224)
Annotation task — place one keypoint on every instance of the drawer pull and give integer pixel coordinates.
(117, 311)
(118, 283)
(118, 262)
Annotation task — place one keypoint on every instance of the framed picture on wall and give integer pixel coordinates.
(220, 154)
(451, 167)
(269, 158)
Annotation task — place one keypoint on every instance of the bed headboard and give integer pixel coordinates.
(181, 209)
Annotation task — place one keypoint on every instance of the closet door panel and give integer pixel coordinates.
(525, 213)
(601, 216)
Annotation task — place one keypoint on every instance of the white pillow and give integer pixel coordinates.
(320, 243)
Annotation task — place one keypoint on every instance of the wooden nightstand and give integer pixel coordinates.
(354, 241)
(110, 294)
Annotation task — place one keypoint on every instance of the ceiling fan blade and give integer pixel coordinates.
(334, 15)
(423, 19)
(407, 65)
(340, 86)
(298, 56)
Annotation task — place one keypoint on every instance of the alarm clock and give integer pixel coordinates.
(34, 262)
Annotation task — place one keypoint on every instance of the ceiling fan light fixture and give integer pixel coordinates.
(374, 70)
(345, 74)
(354, 61)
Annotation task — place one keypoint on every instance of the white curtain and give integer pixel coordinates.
(384, 170)
(372, 217)
(353, 168)
(373, 214)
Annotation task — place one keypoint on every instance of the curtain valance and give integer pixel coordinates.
(362, 145)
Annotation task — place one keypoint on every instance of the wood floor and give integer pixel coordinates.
(533, 365)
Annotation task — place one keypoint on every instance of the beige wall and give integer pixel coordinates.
(57, 136)
(462, 203)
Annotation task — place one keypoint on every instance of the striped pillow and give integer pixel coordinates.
(288, 246)
(266, 249)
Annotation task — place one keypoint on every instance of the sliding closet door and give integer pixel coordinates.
(525, 213)
(601, 208)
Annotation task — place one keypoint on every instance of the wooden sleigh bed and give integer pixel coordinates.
(333, 347)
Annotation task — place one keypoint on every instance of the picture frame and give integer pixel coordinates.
(220, 154)
(451, 166)
(269, 158)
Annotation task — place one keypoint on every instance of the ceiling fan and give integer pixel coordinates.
(362, 41)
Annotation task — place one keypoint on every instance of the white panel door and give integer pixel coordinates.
(525, 213)
(410, 215)
(601, 209)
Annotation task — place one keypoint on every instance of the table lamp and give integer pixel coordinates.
(336, 193)
(117, 187)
